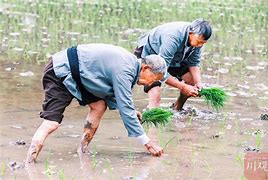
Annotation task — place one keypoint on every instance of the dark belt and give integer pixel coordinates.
(74, 67)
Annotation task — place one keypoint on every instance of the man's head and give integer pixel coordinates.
(153, 68)
(200, 32)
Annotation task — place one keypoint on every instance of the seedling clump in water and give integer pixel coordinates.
(157, 116)
(214, 97)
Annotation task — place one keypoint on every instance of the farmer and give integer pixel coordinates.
(180, 44)
(97, 75)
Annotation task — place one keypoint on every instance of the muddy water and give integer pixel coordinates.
(199, 145)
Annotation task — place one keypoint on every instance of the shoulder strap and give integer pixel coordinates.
(74, 67)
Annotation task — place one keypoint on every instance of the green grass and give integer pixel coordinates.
(215, 97)
(156, 116)
(46, 27)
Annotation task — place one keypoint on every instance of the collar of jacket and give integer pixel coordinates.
(187, 36)
(137, 72)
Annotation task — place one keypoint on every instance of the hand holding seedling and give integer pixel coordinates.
(199, 86)
(189, 90)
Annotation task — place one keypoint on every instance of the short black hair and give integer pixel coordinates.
(201, 27)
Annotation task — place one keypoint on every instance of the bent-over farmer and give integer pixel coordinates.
(180, 44)
(97, 75)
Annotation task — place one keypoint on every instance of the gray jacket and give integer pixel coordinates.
(170, 41)
(108, 72)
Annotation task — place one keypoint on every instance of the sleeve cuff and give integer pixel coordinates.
(166, 76)
(143, 139)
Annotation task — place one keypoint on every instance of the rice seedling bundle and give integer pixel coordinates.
(215, 97)
(156, 116)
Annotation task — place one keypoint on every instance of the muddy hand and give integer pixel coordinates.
(199, 85)
(154, 150)
(33, 152)
(190, 91)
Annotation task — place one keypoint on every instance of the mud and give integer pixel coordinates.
(198, 144)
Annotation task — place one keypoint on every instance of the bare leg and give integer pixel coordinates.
(46, 128)
(178, 105)
(94, 116)
(154, 97)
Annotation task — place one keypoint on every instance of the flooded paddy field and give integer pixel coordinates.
(199, 143)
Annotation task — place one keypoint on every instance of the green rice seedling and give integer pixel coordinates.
(237, 126)
(130, 157)
(48, 169)
(169, 141)
(157, 116)
(258, 139)
(215, 97)
(106, 19)
(239, 159)
(208, 167)
(62, 175)
(94, 161)
(194, 160)
(223, 122)
(161, 136)
(190, 119)
(109, 167)
(3, 168)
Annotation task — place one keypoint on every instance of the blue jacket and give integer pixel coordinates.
(108, 72)
(170, 42)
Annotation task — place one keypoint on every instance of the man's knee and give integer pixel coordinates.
(50, 126)
(98, 106)
(188, 78)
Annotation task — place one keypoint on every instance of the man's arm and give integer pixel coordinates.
(185, 89)
(123, 94)
(46, 128)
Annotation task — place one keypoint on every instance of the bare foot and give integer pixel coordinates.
(176, 107)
